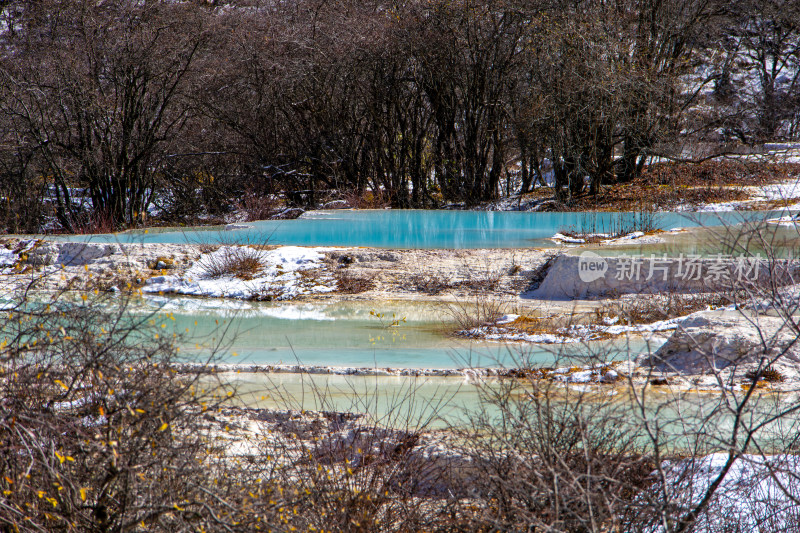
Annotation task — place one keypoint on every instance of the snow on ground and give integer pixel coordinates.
(560, 237)
(503, 331)
(781, 191)
(279, 278)
(606, 238)
(10, 258)
(504, 335)
(618, 329)
(7, 257)
(787, 221)
(595, 374)
(506, 319)
(786, 190)
(235, 308)
(759, 493)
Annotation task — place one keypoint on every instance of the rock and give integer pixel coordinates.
(610, 376)
(162, 263)
(44, 254)
(590, 275)
(389, 256)
(81, 253)
(336, 204)
(289, 213)
(713, 340)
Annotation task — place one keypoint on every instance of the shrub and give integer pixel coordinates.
(349, 283)
(240, 262)
(768, 374)
(478, 311)
(593, 230)
(96, 431)
(429, 283)
(645, 309)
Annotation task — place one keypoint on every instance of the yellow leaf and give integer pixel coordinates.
(61, 384)
(163, 426)
(83, 494)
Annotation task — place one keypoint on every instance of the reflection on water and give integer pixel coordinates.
(745, 239)
(420, 228)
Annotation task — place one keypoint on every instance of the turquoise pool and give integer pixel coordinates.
(417, 228)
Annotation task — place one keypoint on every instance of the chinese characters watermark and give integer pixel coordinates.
(715, 269)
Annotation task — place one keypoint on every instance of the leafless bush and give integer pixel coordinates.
(258, 206)
(594, 228)
(647, 308)
(351, 283)
(240, 262)
(88, 223)
(96, 431)
(480, 310)
(549, 461)
(378, 469)
(429, 283)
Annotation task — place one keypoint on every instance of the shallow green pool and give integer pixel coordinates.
(349, 334)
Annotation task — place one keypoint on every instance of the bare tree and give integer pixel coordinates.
(96, 91)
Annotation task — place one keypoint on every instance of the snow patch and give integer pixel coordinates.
(278, 279)
(759, 491)
(570, 334)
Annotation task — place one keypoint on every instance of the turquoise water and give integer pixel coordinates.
(347, 334)
(418, 228)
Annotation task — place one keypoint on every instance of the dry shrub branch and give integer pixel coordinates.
(96, 431)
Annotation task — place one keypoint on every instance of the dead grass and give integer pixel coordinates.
(769, 374)
(530, 325)
(429, 283)
(646, 309)
(667, 185)
(236, 261)
(433, 284)
(258, 206)
(349, 282)
(481, 310)
(365, 199)
(208, 248)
